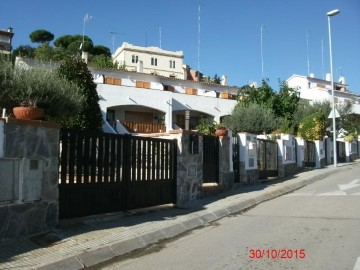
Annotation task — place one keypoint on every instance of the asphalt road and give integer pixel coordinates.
(316, 227)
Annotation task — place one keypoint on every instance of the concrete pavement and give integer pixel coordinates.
(79, 243)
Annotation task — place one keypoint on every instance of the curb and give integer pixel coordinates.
(193, 220)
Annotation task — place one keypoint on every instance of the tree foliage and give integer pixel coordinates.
(90, 118)
(312, 127)
(348, 120)
(58, 97)
(253, 118)
(44, 52)
(24, 51)
(282, 104)
(41, 36)
(101, 50)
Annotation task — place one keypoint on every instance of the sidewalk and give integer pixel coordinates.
(79, 243)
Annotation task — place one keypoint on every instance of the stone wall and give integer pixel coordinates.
(29, 203)
(250, 176)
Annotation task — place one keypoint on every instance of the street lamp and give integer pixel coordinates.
(330, 14)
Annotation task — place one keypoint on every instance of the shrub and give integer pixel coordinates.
(313, 126)
(58, 97)
(253, 118)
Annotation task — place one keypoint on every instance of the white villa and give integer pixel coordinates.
(145, 103)
(314, 89)
(151, 60)
(158, 93)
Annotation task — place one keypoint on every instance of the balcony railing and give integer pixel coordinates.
(138, 127)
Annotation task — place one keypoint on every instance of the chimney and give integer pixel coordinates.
(139, 67)
(85, 56)
(224, 80)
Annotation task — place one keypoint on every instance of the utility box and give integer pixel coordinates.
(33, 178)
(9, 180)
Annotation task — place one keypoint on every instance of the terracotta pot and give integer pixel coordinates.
(221, 132)
(28, 113)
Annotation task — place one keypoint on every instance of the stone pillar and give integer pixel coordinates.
(226, 173)
(29, 204)
(189, 165)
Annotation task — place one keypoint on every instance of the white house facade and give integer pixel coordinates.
(151, 60)
(314, 89)
(144, 103)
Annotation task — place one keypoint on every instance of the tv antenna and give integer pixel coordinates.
(113, 34)
(199, 12)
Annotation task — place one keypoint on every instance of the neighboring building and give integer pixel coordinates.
(314, 89)
(144, 103)
(5, 40)
(151, 60)
(158, 93)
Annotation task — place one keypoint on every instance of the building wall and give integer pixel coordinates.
(145, 54)
(164, 101)
(313, 89)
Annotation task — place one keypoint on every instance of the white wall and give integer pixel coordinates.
(165, 101)
(248, 151)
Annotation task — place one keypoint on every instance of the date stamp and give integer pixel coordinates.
(274, 254)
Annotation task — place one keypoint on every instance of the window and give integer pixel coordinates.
(172, 63)
(134, 58)
(153, 61)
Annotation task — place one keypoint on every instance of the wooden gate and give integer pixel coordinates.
(267, 153)
(102, 173)
(310, 154)
(210, 159)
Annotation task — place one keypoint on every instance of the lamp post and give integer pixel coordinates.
(330, 14)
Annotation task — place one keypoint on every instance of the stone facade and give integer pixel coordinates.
(30, 204)
(289, 169)
(250, 176)
(190, 166)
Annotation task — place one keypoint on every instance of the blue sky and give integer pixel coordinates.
(230, 32)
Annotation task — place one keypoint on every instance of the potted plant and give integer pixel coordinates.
(28, 110)
(220, 130)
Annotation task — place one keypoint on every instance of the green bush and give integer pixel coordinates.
(313, 126)
(252, 118)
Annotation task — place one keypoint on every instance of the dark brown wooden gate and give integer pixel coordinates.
(236, 157)
(210, 159)
(310, 154)
(102, 173)
(267, 154)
